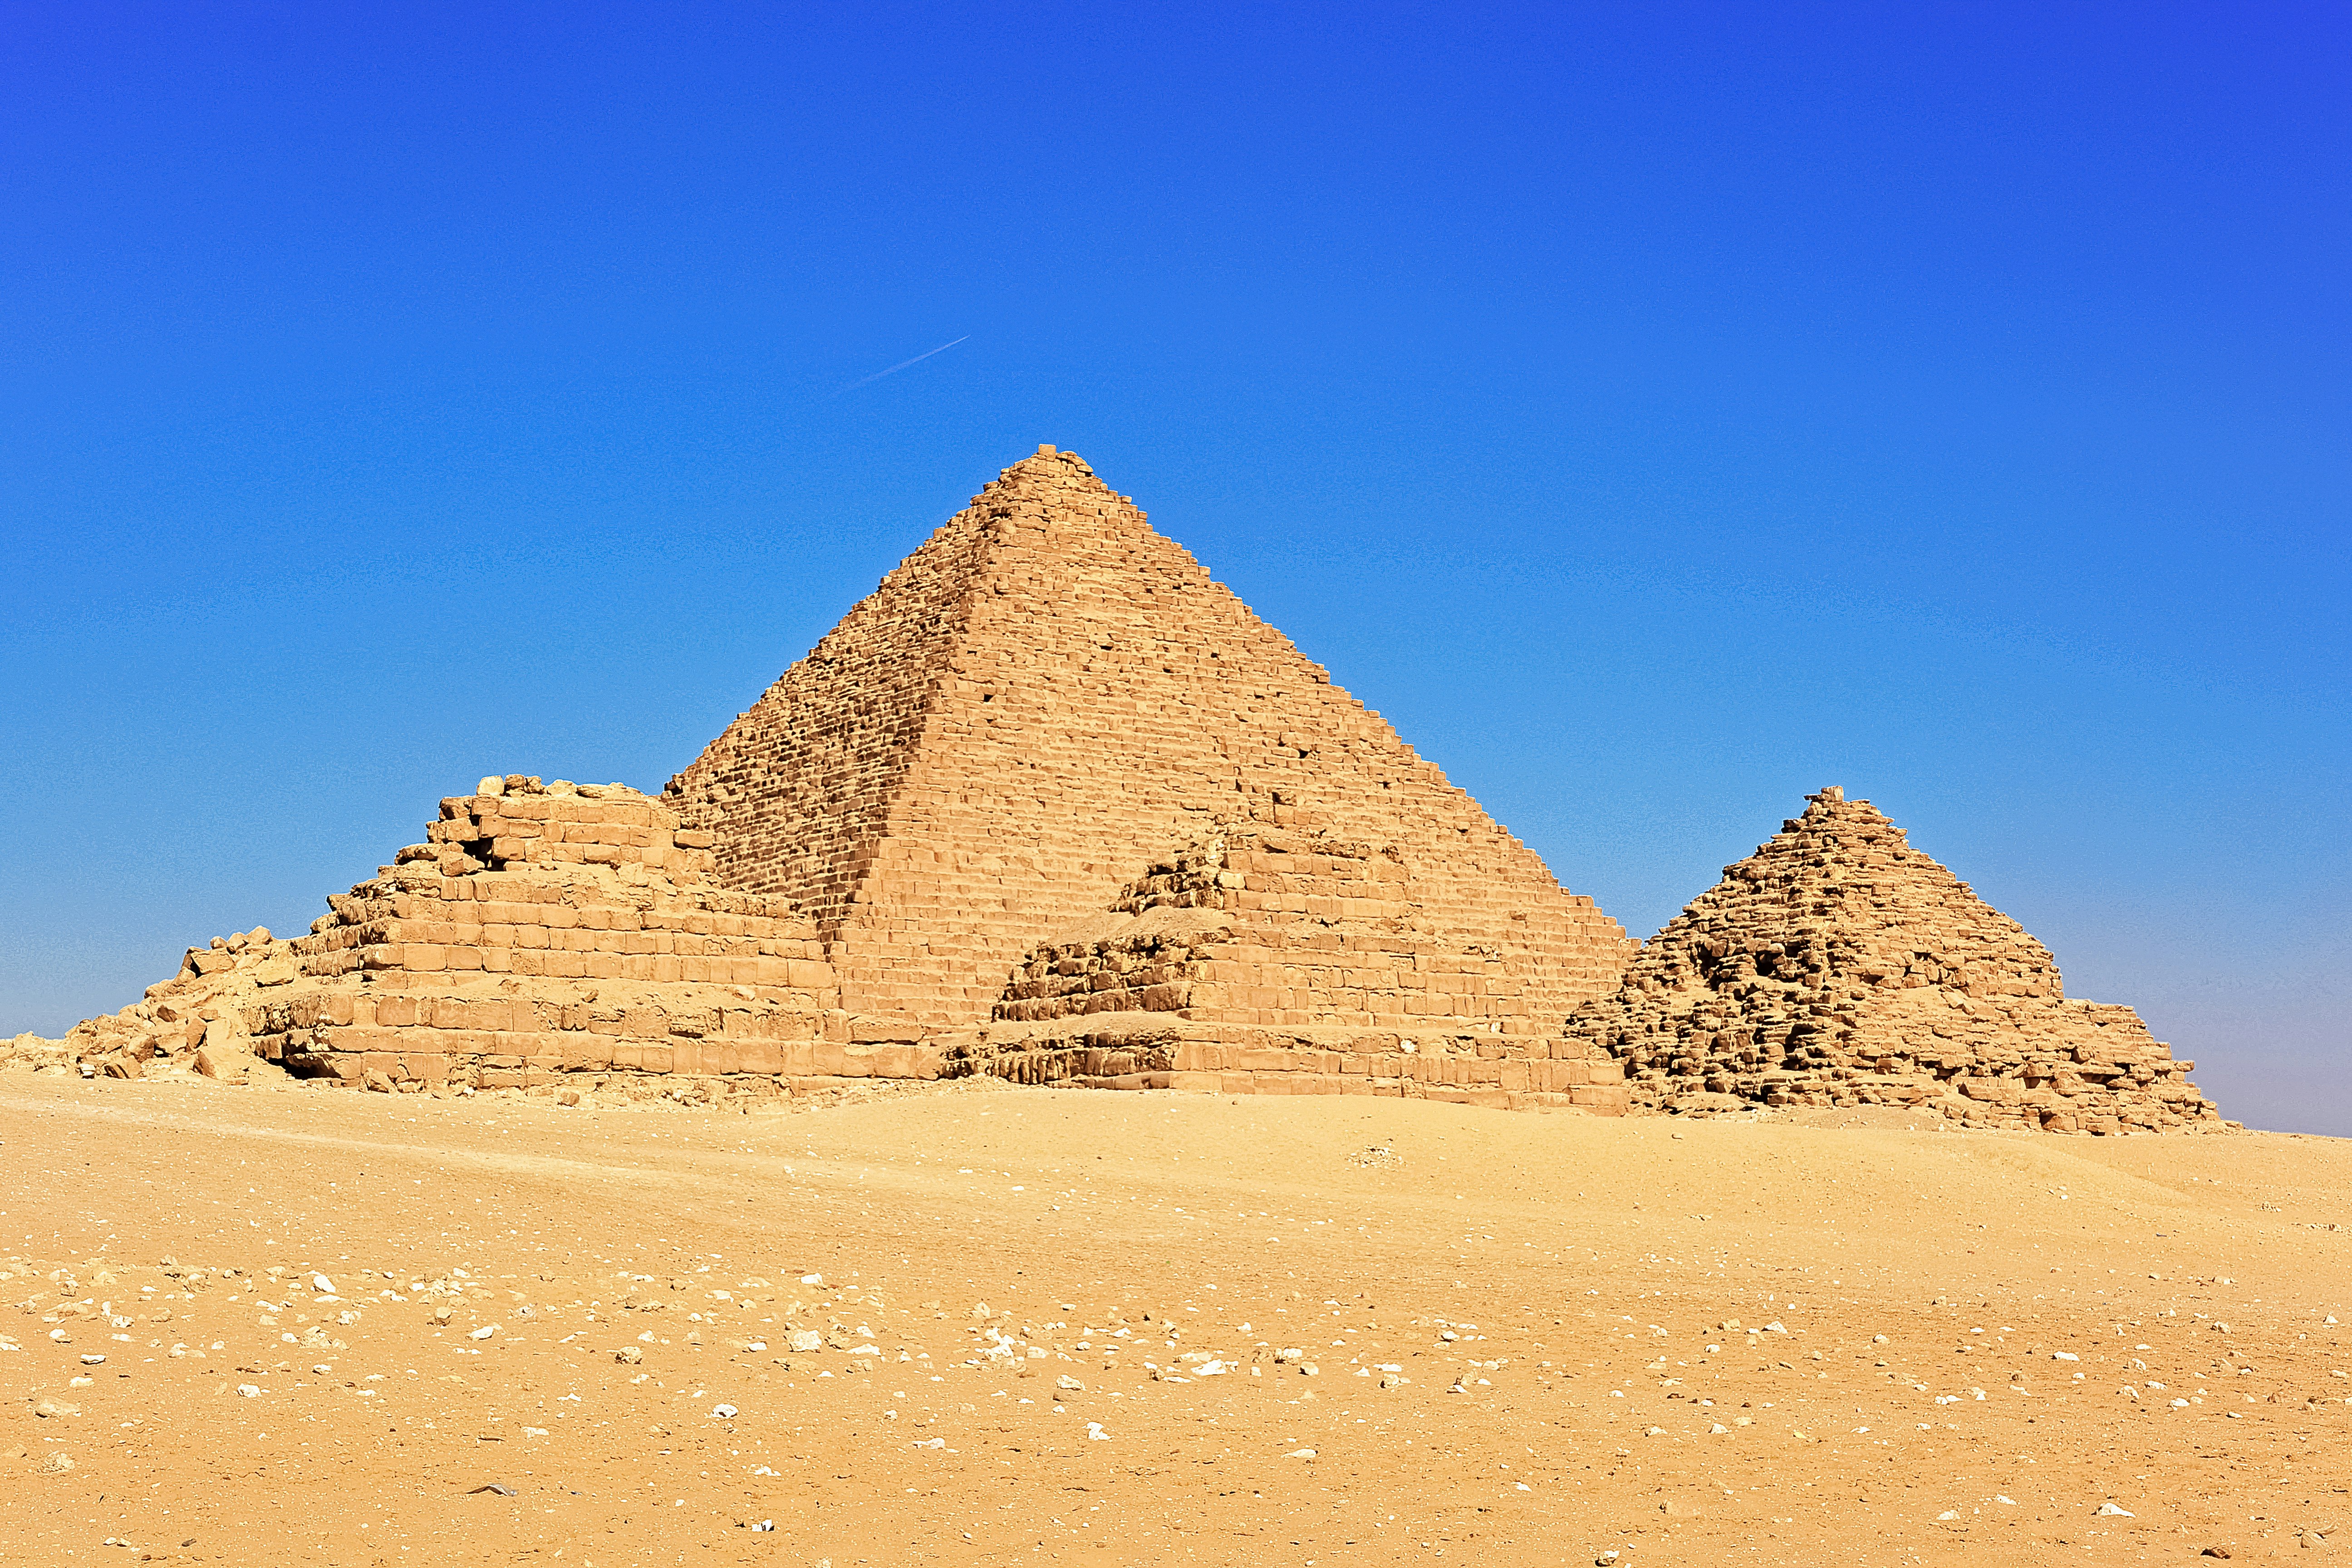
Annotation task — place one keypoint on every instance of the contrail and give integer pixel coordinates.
(902, 364)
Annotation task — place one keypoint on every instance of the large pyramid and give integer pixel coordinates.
(1045, 702)
(1838, 965)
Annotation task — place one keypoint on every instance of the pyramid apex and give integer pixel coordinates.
(1050, 459)
(1831, 793)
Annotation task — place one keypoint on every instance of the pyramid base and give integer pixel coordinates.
(1169, 1050)
(2000, 1104)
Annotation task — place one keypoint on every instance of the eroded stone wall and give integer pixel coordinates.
(1289, 961)
(540, 935)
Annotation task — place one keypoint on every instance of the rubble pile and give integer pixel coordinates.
(1838, 965)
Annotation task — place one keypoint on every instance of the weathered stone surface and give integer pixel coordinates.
(546, 932)
(1838, 965)
(1046, 699)
(1285, 960)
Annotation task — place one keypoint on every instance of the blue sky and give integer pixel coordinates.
(1656, 415)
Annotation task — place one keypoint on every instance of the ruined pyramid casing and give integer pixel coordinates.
(1838, 965)
(1044, 701)
(543, 936)
(1284, 961)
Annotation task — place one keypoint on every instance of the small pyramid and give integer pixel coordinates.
(1286, 961)
(1042, 703)
(543, 936)
(1838, 965)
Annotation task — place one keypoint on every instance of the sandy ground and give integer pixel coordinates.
(1150, 1329)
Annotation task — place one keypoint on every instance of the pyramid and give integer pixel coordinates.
(1286, 961)
(1043, 703)
(1838, 965)
(543, 936)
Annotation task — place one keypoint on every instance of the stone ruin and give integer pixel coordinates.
(542, 935)
(193, 1020)
(1285, 961)
(1838, 966)
(1053, 804)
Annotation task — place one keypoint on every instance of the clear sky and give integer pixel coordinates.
(1657, 412)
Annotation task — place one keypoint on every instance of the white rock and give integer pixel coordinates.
(812, 1279)
(249, 1390)
(1300, 1454)
(1948, 1513)
(722, 1412)
(804, 1339)
(322, 1284)
(485, 1332)
(1094, 1430)
(2109, 1511)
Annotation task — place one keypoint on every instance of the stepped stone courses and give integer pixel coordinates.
(1284, 961)
(546, 931)
(552, 935)
(1046, 699)
(1838, 965)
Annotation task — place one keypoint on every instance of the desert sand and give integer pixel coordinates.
(1152, 1328)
